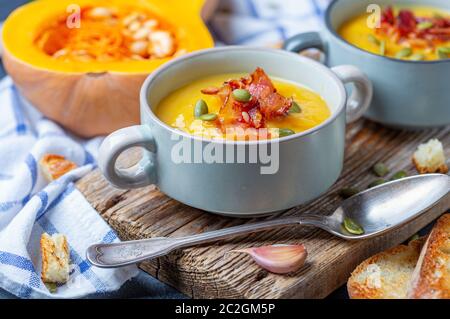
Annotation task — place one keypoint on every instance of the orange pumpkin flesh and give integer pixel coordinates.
(97, 96)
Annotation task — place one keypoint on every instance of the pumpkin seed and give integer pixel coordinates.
(398, 175)
(242, 95)
(383, 48)
(380, 169)
(403, 53)
(414, 237)
(208, 117)
(200, 108)
(377, 182)
(445, 50)
(295, 108)
(52, 287)
(285, 132)
(348, 192)
(443, 53)
(417, 57)
(373, 39)
(425, 25)
(352, 227)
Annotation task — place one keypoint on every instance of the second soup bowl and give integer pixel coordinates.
(300, 167)
(407, 94)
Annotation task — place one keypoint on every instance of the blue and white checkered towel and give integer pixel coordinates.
(29, 206)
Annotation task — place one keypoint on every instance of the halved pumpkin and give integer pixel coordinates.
(97, 91)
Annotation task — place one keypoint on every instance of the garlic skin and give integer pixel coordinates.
(278, 259)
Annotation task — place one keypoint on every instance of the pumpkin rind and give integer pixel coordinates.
(89, 98)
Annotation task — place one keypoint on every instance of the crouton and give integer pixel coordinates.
(430, 158)
(55, 258)
(53, 166)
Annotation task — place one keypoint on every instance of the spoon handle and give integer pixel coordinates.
(130, 252)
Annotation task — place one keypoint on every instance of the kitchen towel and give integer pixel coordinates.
(30, 206)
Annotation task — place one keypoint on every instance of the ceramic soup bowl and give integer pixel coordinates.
(300, 167)
(407, 94)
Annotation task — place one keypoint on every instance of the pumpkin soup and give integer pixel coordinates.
(409, 33)
(237, 106)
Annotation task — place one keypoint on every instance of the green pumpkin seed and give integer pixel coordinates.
(398, 175)
(445, 50)
(348, 192)
(377, 182)
(295, 108)
(425, 25)
(380, 169)
(383, 48)
(242, 95)
(352, 227)
(200, 108)
(285, 132)
(404, 53)
(414, 237)
(373, 39)
(417, 57)
(52, 287)
(443, 53)
(208, 117)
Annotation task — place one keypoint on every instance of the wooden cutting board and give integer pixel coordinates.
(212, 271)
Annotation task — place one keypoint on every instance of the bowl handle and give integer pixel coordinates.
(140, 174)
(304, 41)
(361, 97)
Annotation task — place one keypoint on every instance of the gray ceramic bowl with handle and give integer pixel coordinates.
(407, 94)
(303, 166)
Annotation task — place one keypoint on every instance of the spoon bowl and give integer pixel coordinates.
(387, 206)
(376, 210)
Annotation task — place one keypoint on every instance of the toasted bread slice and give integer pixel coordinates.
(385, 275)
(430, 158)
(55, 258)
(53, 166)
(431, 278)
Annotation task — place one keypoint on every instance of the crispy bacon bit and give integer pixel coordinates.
(266, 103)
(388, 16)
(404, 27)
(271, 103)
(210, 90)
(406, 22)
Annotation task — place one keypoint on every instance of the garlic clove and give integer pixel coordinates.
(279, 259)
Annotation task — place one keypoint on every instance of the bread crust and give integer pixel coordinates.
(431, 278)
(54, 166)
(407, 256)
(443, 168)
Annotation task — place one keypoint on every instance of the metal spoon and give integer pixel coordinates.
(376, 210)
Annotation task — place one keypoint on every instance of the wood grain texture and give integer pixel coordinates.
(214, 271)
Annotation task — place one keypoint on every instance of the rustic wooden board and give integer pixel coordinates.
(212, 271)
